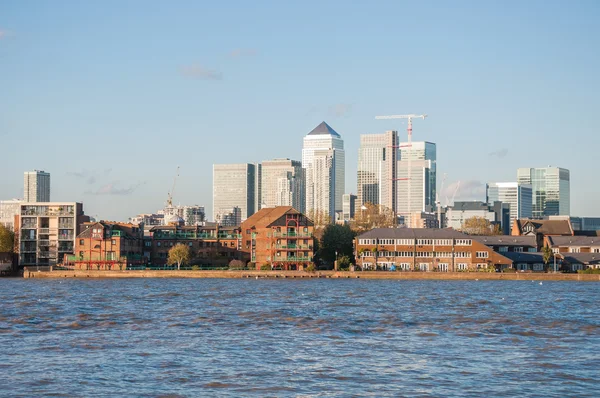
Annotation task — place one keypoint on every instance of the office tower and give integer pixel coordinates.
(36, 186)
(349, 206)
(8, 210)
(551, 191)
(282, 184)
(418, 151)
(376, 175)
(516, 195)
(234, 185)
(229, 217)
(414, 187)
(323, 159)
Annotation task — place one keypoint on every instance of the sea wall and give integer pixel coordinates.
(33, 273)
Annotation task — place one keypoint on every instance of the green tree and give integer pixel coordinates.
(546, 255)
(336, 238)
(179, 254)
(7, 240)
(344, 263)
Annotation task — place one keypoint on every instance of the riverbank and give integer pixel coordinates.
(33, 273)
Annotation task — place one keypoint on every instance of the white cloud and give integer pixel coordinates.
(199, 72)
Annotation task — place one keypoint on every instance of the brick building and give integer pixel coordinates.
(210, 245)
(107, 245)
(423, 249)
(279, 237)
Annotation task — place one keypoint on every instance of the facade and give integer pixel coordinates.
(579, 224)
(413, 187)
(497, 213)
(376, 175)
(36, 186)
(418, 153)
(148, 219)
(278, 238)
(323, 159)
(573, 244)
(235, 185)
(551, 190)
(416, 249)
(8, 210)
(509, 243)
(283, 184)
(348, 207)
(47, 231)
(419, 220)
(107, 245)
(210, 245)
(229, 218)
(518, 196)
(192, 215)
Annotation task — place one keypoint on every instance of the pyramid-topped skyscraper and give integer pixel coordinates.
(324, 161)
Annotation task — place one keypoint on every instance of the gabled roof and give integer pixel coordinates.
(547, 227)
(413, 233)
(525, 257)
(574, 241)
(324, 129)
(506, 240)
(127, 228)
(267, 216)
(581, 258)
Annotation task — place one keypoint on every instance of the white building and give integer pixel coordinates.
(236, 185)
(376, 173)
(283, 184)
(323, 159)
(8, 210)
(229, 218)
(518, 196)
(414, 187)
(36, 186)
(551, 190)
(420, 151)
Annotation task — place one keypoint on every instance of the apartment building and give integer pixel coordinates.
(47, 231)
(422, 249)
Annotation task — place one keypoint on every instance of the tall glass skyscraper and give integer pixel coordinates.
(422, 180)
(323, 159)
(234, 185)
(36, 186)
(551, 190)
(283, 184)
(377, 157)
(518, 196)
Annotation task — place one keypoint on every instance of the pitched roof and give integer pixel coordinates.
(547, 227)
(267, 216)
(581, 258)
(525, 257)
(506, 240)
(574, 241)
(324, 129)
(416, 233)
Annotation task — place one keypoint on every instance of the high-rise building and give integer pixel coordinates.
(422, 150)
(283, 184)
(234, 185)
(229, 217)
(36, 186)
(8, 210)
(414, 187)
(376, 175)
(551, 190)
(349, 206)
(518, 196)
(323, 159)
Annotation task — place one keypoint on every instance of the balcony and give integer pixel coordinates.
(28, 237)
(292, 259)
(66, 237)
(292, 234)
(294, 247)
(65, 226)
(43, 242)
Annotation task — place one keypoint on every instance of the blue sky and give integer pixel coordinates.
(110, 97)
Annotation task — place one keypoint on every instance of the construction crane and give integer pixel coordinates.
(437, 202)
(170, 194)
(454, 194)
(409, 144)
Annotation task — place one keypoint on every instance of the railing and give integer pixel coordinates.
(294, 247)
(44, 231)
(291, 259)
(293, 234)
(28, 237)
(66, 237)
(230, 236)
(43, 242)
(116, 233)
(65, 226)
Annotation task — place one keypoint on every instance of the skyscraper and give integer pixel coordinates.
(423, 150)
(283, 184)
(323, 159)
(234, 185)
(518, 196)
(36, 186)
(376, 175)
(349, 207)
(551, 190)
(414, 187)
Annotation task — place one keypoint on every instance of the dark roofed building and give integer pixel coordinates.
(324, 129)
(509, 243)
(573, 244)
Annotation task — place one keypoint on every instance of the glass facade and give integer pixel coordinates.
(234, 185)
(283, 184)
(377, 157)
(422, 150)
(551, 191)
(517, 196)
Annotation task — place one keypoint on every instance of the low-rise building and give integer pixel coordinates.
(497, 214)
(107, 245)
(279, 238)
(509, 243)
(423, 249)
(573, 244)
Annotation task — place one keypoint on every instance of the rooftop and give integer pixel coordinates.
(506, 240)
(416, 233)
(324, 129)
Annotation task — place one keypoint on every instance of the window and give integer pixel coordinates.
(462, 254)
(114, 241)
(503, 249)
(443, 267)
(424, 241)
(148, 243)
(574, 249)
(463, 242)
(538, 267)
(531, 250)
(81, 242)
(443, 242)
(405, 242)
(405, 266)
(596, 250)
(158, 244)
(190, 244)
(424, 254)
(482, 254)
(423, 267)
(248, 231)
(519, 249)
(462, 266)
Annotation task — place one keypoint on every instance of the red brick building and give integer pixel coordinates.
(279, 238)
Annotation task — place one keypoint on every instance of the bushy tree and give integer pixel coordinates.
(236, 265)
(7, 240)
(546, 255)
(336, 238)
(480, 226)
(371, 216)
(179, 254)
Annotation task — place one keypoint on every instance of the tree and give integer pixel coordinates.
(373, 216)
(236, 265)
(320, 218)
(479, 226)
(7, 240)
(343, 263)
(179, 254)
(336, 238)
(546, 255)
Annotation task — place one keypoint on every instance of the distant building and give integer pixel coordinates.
(418, 220)
(421, 182)
(497, 214)
(8, 210)
(518, 197)
(229, 217)
(36, 186)
(148, 219)
(323, 159)
(235, 185)
(551, 190)
(376, 174)
(579, 224)
(283, 184)
(348, 206)
(278, 238)
(47, 231)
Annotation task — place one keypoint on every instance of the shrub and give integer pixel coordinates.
(589, 271)
(310, 268)
(195, 267)
(236, 265)
(265, 267)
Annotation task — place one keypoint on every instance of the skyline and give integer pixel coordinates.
(87, 87)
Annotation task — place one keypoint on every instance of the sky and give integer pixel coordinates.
(111, 97)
